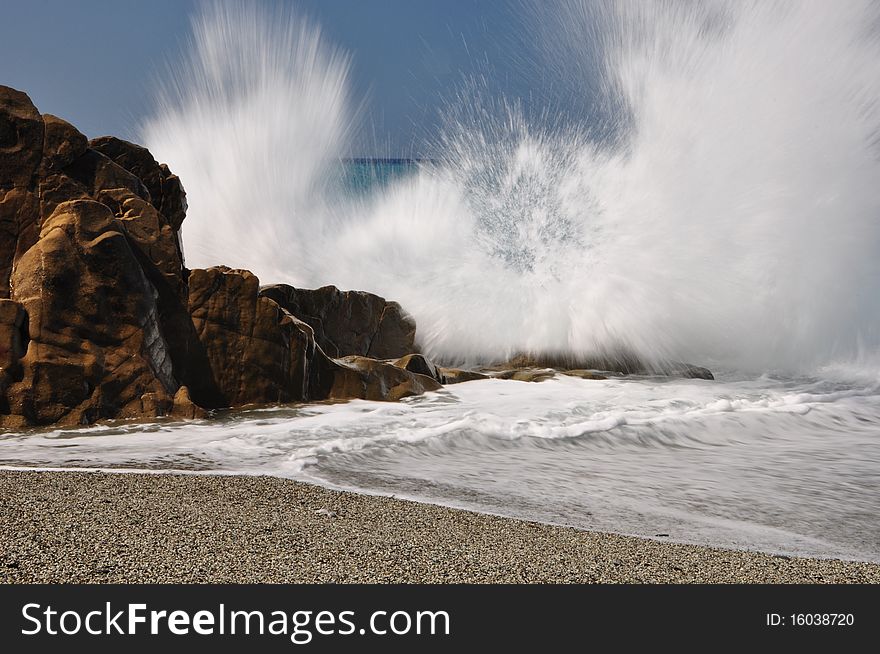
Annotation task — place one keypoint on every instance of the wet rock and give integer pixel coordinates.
(257, 351)
(421, 365)
(621, 363)
(349, 322)
(584, 374)
(184, 407)
(524, 374)
(355, 377)
(459, 375)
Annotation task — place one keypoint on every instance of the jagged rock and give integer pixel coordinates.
(349, 322)
(184, 407)
(104, 179)
(13, 344)
(99, 318)
(95, 345)
(260, 353)
(166, 191)
(355, 377)
(584, 374)
(421, 365)
(459, 375)
(524, 374)
(63, 144)
(257, 352)
(622, 363)
(21, 138)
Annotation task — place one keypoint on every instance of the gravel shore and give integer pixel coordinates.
(94, 527)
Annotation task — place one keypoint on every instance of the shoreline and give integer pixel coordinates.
(99, 527)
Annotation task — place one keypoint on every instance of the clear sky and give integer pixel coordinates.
(92, 62)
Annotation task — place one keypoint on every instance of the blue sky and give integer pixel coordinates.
(92, 62)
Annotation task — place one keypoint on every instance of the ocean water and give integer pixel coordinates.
(774, 464)
(720, 207)
(364, 176)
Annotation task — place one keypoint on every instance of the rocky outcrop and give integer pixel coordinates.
(349, 322)
(166, 191)
(95, 346)
(421, 365)
(100, 319)
(257, 352)
(460, 375)
(622, 363)
(371, 379)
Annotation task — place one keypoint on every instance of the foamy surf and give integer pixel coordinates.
(770, 464)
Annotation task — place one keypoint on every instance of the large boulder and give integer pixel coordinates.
(100, 319)
(94, 273)
(349, 322)
(257, 352)
(355, 377)
(95, 346)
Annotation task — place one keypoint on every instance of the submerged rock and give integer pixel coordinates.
(621, 363)
(460, 375)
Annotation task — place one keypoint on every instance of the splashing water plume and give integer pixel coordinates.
(725, 212)
(255, 116)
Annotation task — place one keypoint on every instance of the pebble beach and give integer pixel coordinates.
(89, 527)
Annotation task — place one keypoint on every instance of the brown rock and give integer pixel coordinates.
(584, 374)
(421, 365)
(63, 144)
(105, 180)
(150, 231)
(154, 238)
(623, 363)
(349, 322)
(95, 344)
(371, 379)
(100, 319)
(19, 226)
(21, 138)
(56, 188)
(184, 407)
(13, 344)
(257, 352)
(458, 375)
(165, 188)
(525, 374)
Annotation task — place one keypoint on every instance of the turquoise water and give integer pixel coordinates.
(363, 175)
